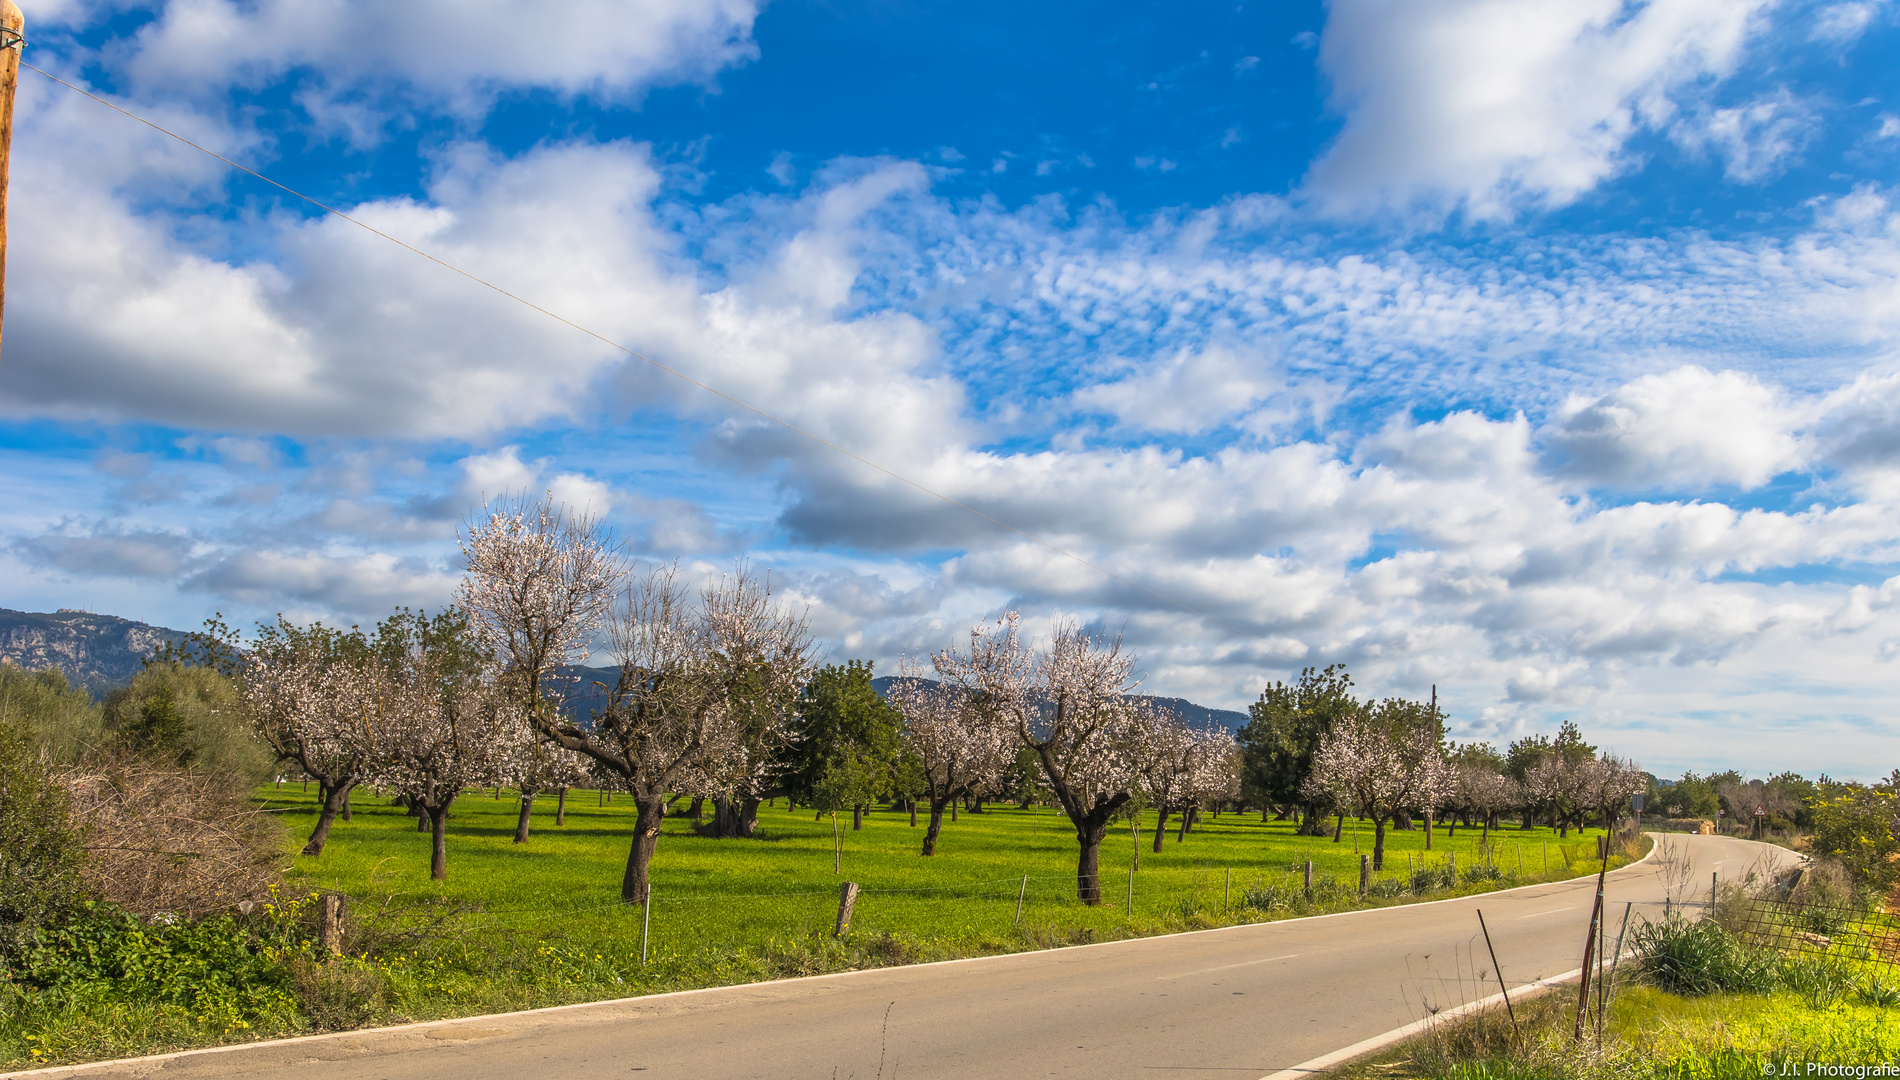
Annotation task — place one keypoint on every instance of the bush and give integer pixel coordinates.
(164, 839)
(58, 720)
(1860, 826)
(1695, 958)
(40, 853)
(191, 717)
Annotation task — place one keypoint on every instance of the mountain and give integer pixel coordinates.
(1198, 715)
(96, 651)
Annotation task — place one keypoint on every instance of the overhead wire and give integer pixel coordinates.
(657, 365)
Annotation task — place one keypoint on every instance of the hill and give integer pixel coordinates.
(1198, 715)
(96, 651)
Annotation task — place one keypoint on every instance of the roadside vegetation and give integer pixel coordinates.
(1792, 974)
(309, 828)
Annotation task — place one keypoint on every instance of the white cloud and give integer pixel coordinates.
(1688, 428)
(457, 53)
(1842, 23)
(1487, 105)
(1756, 140)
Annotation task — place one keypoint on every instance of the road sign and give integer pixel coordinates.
(1636, 803)
(1759, 812)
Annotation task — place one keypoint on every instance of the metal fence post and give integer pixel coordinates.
(646, 923)
(1020, 893)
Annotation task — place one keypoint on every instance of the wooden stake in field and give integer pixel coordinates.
(1590, 949)
(12, 40)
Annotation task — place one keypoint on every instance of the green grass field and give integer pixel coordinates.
(778, 895)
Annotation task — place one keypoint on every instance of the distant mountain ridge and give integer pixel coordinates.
(1198, 715)
(104, 651)
(98, 652)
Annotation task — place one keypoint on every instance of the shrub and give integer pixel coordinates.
(1694, 958)
(40, 853)
(188, 716)
(1860, 826)
(58, 720)
(161, 838)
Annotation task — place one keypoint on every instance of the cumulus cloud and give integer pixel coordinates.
(458, 54)
(1489, 105)
(1685, 429)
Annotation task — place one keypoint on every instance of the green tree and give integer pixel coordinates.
(1283, 732)
(848, 747)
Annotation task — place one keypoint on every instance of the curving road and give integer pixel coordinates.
(1240, 1002)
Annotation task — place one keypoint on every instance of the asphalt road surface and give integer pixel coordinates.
(1240, 1002)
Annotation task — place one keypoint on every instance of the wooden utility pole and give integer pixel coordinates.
(12, 38)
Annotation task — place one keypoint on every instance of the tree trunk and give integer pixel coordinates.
(1088, 878)
(1312, 822)
(913, 813)
(737, 819)
(334, 798)
(1187, 815)
(438, 843)
(346, 801)
(648, 813)
(1378, 843)
(422, 819)
(1339, 828)
(953, 809)
(936, 824)
(857, 819)
(698, 809)
(1428, 830)
(1265, 813)
(560, 806)
(527, 809)
(1161, 827)
(1451, 828)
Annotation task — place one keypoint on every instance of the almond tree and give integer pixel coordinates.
(313, 694)
(539, 585)
(697, 686)
(1484, 793)
(447, 724)
(1069, 703)
(542, 766)
(960, 747)
(1379, 767)
(1172, 760)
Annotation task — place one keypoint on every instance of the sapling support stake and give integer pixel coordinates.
(1590, 949)
(1499, 972)
(1020, 893)
(1131, 890)
(646, 923)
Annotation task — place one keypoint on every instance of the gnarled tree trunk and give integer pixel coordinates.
(648, 813)
(334, 799)
(521, 824)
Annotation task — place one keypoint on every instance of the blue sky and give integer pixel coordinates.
(1541, 352)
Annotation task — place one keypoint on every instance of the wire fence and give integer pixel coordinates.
(1804, 911)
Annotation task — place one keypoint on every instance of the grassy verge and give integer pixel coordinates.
(1705, 1007)
(535, 924)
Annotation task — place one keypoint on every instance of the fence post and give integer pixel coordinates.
(1020, 893)
(1309, 879)
(1454, 869)
(330, 929)
(1227, 892)
(847, 899)
(1365, 874)
(1714, 877)
(646, 923)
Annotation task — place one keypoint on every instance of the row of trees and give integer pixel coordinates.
(1312, 749)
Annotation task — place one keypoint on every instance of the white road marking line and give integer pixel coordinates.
(1552, 911)
(1224, 967)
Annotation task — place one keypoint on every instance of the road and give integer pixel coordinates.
(1239, 1002)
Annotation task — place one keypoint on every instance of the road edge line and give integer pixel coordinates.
(1306, 1070)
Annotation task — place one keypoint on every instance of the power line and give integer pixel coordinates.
(675, 372)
